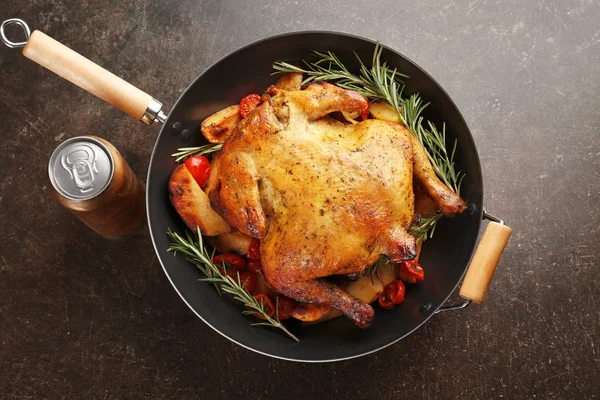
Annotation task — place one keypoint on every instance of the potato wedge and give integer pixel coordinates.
(232, 242)
(383, 111)
(217, 127)
(366, 288)
(387, 273)
(311, 312)
(291, 81)
(193, 205)
(331, 315)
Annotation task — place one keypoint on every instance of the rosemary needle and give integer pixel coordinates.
(196, 253)
(185, 152)
(425, 228)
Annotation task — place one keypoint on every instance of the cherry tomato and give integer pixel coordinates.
(254, 249)
(267, 305)
(285, 307)
(393, 293)
(412, 269)
(248, 280)
(230, 260)
(254, 266)
(365, 111)
(233, 263)
(406, 277)
(199, 167)
(248, 104)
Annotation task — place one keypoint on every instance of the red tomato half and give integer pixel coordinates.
(413, 269)
(233, 263)
(254, 266)
(248, 104)
(267, 304)
(365, 111)
(254, 249)
(285, 306)
(248, 280)
(199, 167)
(393, 293)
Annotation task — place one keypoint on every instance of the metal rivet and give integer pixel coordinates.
(185, 136)
(471, 209)
(177, 127)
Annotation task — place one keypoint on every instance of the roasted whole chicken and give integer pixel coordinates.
(323, 196)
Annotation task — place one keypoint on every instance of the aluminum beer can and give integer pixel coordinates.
(92, 180)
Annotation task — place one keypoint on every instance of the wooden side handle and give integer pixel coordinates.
(63, 61)
(484, 262)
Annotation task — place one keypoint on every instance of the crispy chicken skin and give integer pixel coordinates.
(325, 198)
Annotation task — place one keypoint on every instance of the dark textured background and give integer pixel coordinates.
(84, 317)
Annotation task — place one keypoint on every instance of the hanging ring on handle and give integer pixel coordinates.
(22, 24)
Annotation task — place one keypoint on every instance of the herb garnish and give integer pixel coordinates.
(196, 253)
(185, 152)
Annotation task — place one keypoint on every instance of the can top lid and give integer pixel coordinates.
(81, 168)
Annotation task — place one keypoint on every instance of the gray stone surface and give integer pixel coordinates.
(83, 317)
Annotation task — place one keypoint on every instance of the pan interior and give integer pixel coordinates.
(444, 258)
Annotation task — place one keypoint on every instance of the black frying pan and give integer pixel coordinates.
(248, 70)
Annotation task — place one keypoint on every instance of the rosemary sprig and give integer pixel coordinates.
(185, 152)
(433, 141)
(383, 260)
(197, 254)
(425, 228)
(382, 83)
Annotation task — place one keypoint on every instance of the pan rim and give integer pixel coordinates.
(478, 213)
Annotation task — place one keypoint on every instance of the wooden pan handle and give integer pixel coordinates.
(63, 61)
(484, 262)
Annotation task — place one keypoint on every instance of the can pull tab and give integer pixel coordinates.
(79, 161)
(24, 27)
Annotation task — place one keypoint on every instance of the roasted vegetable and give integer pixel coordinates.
(413, 270)
(217, 127)
(285, 307)
(230, 260)
(393, 294)
(387, 272)
(199, 167)
(366, 288)
(248, 104)
(267, 304)
(291, 81)
(232, 242)
(192, 204)
(311, 312)
(383, 111)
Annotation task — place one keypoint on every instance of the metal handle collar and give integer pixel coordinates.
(154, 113)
